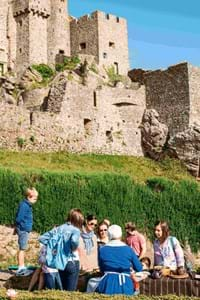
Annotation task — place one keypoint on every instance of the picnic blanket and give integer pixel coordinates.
(167, 285)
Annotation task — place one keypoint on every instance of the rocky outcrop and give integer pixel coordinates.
(56, 94)
(7, 89)
(154, 134)
(29, 77)
(186, 147)
(34, 99)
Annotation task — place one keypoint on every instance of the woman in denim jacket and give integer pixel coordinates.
(61, 245)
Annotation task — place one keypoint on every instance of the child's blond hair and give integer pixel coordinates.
(29, 192)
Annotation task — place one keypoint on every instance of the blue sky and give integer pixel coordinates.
(161, 32)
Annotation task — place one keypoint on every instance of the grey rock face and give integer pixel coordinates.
(29, 77)
(186, 147)
(7, 85)
(154, 134)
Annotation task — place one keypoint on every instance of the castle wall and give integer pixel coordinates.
(11, 35)
(37, 38)
(22, 42)
(3, 36)
(168, 92)
(194, 90)
(106, 123)
(84, 36)
(58, 30)
(113, 42)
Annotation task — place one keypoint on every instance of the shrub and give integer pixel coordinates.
(45, 71)
(113, 76)
(20, 141)
(68, 64)
(107, 195)
(93, 68)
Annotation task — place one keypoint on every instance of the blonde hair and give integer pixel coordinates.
(29, 192)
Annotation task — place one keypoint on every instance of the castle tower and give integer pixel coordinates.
(58, 30)
(104, 36)
(31, 38)
(3, 36)
(11, 37)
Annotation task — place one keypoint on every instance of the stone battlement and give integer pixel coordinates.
(98, 15)
(26, 6)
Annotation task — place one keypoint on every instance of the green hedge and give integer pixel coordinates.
(56, 295)
(108, 196)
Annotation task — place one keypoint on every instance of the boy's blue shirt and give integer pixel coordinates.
(24, 216)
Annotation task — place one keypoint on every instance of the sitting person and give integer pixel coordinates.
(115, 262)
(167, 249)
(102, 234)
(88, 245)
(135, 240)
(138, 276)
(146, 263)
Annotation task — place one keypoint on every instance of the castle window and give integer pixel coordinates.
(87, 125)
(1, 69)
(109, 136)
(107, 16)
(20, 50)
(117, 18)
(95, 98)
(31, 118)
(105, 55)
(111, 44)
(61, 51)
(20, 23)
(116, 66)
(82, 46)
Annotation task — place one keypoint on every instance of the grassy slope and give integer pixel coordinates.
(138, 168)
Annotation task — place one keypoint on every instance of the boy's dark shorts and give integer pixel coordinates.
(22, 239)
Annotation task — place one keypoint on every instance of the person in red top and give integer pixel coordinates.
(135, 240)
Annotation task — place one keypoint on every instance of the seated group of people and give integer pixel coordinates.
(83, 245)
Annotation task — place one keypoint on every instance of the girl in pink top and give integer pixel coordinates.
(167, 249)
(135, 240)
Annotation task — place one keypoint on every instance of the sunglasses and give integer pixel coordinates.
(92, 224)
(101, 230)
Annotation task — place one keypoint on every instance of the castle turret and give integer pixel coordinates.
(58, 30)
(104, 36)
(31, 22)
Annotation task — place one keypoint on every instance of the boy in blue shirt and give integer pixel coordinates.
(24, 224)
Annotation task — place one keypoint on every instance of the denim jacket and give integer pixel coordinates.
(60, 242)
(24, 216)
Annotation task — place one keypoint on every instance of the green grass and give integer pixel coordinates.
(138, 168)
(56, 295)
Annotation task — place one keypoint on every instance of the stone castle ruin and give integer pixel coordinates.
(35, 31)
(86, 110)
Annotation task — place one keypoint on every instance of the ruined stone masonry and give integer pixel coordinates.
(151, 113)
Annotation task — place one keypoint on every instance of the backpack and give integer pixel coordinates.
(188, 256)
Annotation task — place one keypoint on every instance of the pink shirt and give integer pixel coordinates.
(136, 241)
